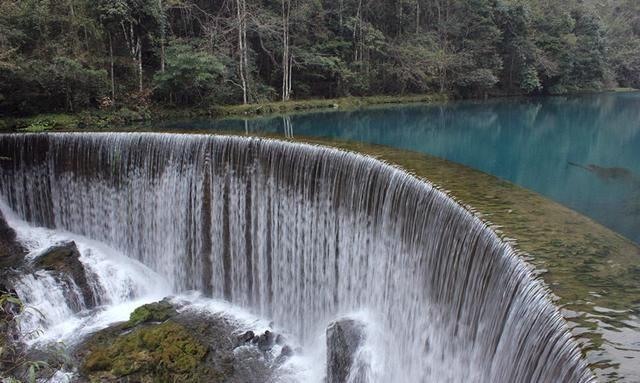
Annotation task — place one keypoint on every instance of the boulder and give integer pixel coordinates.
(165, 343)
(265, 341)
(152, 313)
(11, 252)
(246, 337)
(63, 260)
(285, 353)
(344, 338)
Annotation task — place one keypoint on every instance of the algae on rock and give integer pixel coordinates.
(165, 352)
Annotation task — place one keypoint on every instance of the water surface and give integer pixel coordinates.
(582, 151)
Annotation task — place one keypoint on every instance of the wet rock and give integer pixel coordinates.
(285, 354)
(344, 338)
(265, 341)
(246, 337)
(286, 351)
(162, 342)
(11, 252)
(157, 312)
(63, 260)
(165, 351)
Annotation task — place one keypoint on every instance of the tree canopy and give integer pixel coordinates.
(68, 55)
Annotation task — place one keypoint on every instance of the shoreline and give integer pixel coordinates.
(109, 119)
(106, 119)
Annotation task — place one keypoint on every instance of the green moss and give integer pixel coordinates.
(164, 352)
(45, 122)
(55, 260)
(153, 312)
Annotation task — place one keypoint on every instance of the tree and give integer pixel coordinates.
(623, 36)
(137, 21)
(58, 55)
(287, 58)
(518, 49)
(190, 76)
(243, 50)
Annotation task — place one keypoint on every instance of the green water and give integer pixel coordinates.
(583, 151)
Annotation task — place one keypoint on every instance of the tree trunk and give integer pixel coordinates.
(356, 34)
(242, 35)
(290, 83)
(442, 15)
(135, 47)
(286, 59)
(112, 70)
(245, 50)
(162, 55)
(139, 48)
(162, 40)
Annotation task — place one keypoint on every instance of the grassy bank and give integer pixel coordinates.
(97, 119)
(622, 90)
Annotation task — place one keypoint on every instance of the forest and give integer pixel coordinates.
(74, 55)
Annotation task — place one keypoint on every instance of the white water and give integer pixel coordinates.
(123, 285)
(121, 282)
(303, 235)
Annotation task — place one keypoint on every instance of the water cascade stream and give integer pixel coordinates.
(302, 235)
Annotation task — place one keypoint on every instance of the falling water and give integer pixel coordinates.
(303, 234)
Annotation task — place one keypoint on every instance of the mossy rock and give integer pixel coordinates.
(152, 312)
(164, 352)
(157, 344)
(63, 260)
(161, 343)
(60, 258)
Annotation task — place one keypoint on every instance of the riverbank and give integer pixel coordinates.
(109, 118)
(98, 119)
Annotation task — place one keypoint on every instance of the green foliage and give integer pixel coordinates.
(39, 125)
(15, 366)
(190, 76)
(70, 56)
(7, 298)
(623, 34)
(414, 66)
(529, 81)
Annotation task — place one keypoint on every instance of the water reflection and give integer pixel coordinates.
(531, 142)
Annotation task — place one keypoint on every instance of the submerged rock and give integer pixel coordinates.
(63, 260)
(344, 338)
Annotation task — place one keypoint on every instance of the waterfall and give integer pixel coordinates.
(303, 234)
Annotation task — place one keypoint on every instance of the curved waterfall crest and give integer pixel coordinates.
(303, 234)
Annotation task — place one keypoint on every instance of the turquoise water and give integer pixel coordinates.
(582, 151)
